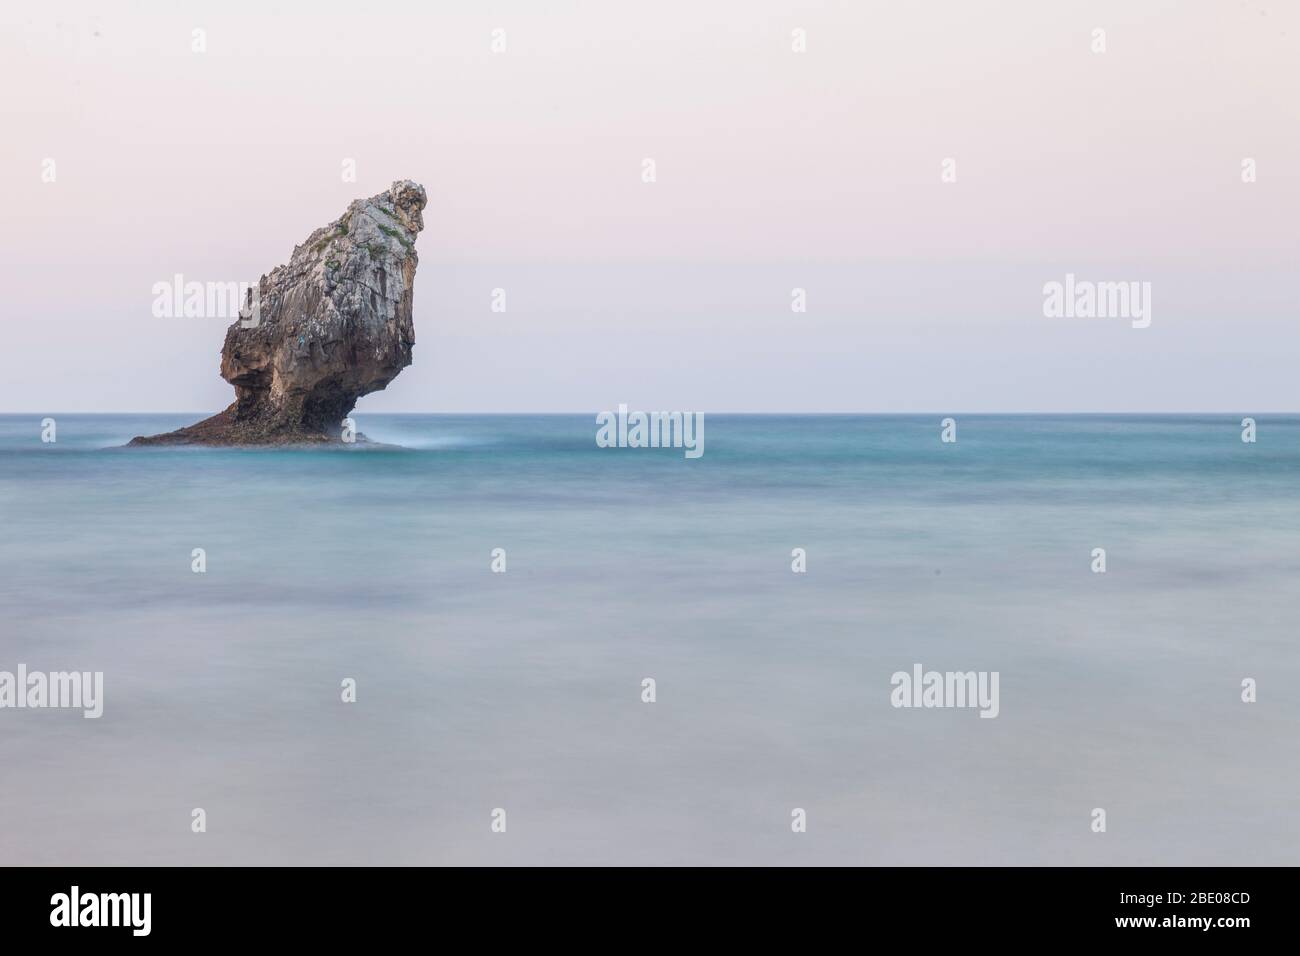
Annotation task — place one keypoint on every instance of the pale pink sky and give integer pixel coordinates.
(775, 170)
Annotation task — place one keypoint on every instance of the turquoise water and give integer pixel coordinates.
(522, 690)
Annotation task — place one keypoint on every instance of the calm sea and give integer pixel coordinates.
(523, 690)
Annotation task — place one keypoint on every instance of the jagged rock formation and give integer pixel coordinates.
(330, 326)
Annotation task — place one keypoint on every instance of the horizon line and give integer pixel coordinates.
(808, 414)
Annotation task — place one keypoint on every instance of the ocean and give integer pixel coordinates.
(480, 690)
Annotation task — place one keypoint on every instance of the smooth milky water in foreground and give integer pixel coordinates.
(522, 690)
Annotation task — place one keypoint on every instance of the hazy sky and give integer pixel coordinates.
(775, 170)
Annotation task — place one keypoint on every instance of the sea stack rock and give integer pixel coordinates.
(330, 326)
